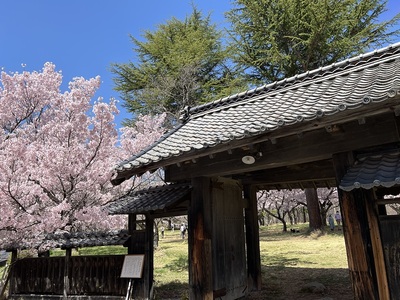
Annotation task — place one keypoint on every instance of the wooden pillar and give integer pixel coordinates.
(252, 239)
(200, 240)
(377, 246)
(132, 248)
(356, 234)
(148, 272)
(68, 253)
(14, 257)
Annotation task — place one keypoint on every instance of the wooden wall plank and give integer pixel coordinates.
(391, 238)
(252, 239)
(45, 276)
(233, 226)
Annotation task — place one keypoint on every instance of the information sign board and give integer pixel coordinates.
(133, 266)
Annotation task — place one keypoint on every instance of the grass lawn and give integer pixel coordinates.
(289, 261)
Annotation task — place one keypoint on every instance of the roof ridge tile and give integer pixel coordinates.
(345, 64)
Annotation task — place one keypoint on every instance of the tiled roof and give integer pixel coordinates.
(77, 240)
(381, 170)
(332, 90)
(150, 200)
(86, 239)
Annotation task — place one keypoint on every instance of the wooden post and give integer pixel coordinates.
(131, 230)
(200, 240)
(356, 234)
(14, 257)
(142, 243)
(68, 253)
(252, 239)
(377, 248)
(148, 273)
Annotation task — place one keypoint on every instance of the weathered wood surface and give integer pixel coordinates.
(356, 235)
(229, 256)
(87, 275)
(200, 241)
(141, 242)
(252, 239)
(358, 241)
(390, 238)
(305, 175)
(217, 257)
(377, 246)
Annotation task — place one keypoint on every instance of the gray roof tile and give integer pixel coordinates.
(351, 84)
(86, 239)
(153, 199)
(76, 240)
(381, 170)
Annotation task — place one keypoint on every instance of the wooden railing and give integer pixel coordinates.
(74, 275)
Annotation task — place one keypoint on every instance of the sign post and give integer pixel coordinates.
(132, 268)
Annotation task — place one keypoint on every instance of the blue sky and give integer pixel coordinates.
(83, 37)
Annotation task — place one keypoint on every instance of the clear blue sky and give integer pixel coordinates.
(83, 37)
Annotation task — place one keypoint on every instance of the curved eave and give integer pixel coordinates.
(364, 89)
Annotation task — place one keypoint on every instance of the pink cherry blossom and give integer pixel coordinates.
(57, 151)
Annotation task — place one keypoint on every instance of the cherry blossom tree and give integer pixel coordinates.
(279, 204)
(285, 205)
(57, 150)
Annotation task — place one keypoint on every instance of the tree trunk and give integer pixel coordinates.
(284, 225)
(314, 212)
(169, 224)
(304, 215)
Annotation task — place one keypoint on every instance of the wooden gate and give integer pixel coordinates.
(229, 256)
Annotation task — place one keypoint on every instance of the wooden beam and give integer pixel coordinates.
(252, 239)
(314, 171)
(314, 146)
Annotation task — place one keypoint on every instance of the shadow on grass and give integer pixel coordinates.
(280, 283)
(174, 240)
(179, 264)
(279, 261)
(172, 290)
(275, 234)
(283, 283)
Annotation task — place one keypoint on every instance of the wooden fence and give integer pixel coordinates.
(70, 275)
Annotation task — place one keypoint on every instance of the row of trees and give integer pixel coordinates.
(291, 206)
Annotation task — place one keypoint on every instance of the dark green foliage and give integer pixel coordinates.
(274, 39)
(182, 63)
